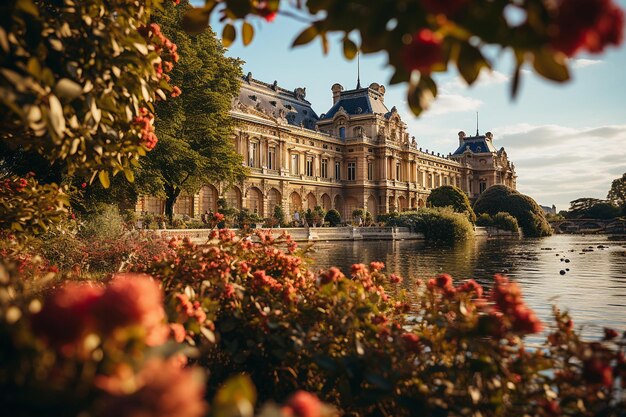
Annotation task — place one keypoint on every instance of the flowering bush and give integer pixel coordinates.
(362, 345)
(28, 208)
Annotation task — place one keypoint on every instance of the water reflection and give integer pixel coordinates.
(585, 274)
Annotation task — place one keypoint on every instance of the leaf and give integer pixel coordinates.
(68, 89)
(141, 47)
(103, 176)
(550, 65)
(129, 174)
(228, 35)
(28, 6)
(236, 397)
(196, 20)
(421, 94)
(349, 48)
(470, 62)
(247, 33)
(57, 118)
(306, 36)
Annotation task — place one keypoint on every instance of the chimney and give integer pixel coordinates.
(336, 89)
(461, 137)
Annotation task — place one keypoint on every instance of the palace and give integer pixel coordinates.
(358, 154)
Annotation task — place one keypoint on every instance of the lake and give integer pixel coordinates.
(592, 285)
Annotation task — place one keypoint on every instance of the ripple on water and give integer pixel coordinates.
(593, 290)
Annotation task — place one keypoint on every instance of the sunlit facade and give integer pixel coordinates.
(358, 154)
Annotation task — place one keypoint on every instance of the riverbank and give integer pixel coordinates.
(330, 234)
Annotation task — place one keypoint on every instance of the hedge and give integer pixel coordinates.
(530, 217)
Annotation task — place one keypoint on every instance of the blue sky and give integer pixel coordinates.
(566, 140)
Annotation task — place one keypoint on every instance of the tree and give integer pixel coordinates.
(617, 193)
(451, 196)
(603, 210)
(428, 35)
(78, 84)
(195, 130)
(500, 198)
(333, 217)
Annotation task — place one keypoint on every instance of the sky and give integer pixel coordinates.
(566, 140)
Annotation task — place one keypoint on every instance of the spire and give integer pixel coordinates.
(358, 70)
(476, 123)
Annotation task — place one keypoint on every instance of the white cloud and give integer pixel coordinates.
(582, 62)
(452, 103)
(556, 164)
(486, 78)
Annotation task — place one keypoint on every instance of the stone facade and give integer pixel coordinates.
(359, 154)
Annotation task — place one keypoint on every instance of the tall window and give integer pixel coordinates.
(342, 132)
(483, 186)
(351, 171)
(398, 178)
(309, 167)
(254, 154)
(337, 171)
(271, 158)
(295, 164)
(370, 171)
(324, 168)
(445, 180)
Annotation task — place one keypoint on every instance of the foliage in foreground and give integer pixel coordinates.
(421, 37)
(529, 216)
(441, 224)
(451, 196)
(238, 306)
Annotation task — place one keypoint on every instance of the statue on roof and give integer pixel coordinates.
(299, 93)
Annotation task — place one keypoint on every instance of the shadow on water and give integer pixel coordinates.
(584, 274)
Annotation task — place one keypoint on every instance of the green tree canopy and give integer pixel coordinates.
(451, 196)
(195, 130)
(617, 193)
(530, 217)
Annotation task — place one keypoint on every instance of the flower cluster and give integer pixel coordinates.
(588, 25)
(74, 311)
(145, 122)
(423, 51)
(263, 9)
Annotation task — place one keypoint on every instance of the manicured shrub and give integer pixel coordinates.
(501, 220)
(504, 221)
(440, 224)
(484, 220)
(333, 217)
(451, 196)
(529, 215)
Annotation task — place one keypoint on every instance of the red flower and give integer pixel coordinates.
(332, 275)
(587, 24)
(411, 341)
(423, 52)
(356, 268)
(164, 389)
(175, 92)
(178, 332)
(596, 371)
(303, 404)
(66, 313)
(471, 286)
(264, 11)
(395, 279)
(447, 7)
(83, 185)
(609, 333)
(377, 266)
(133, 299)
